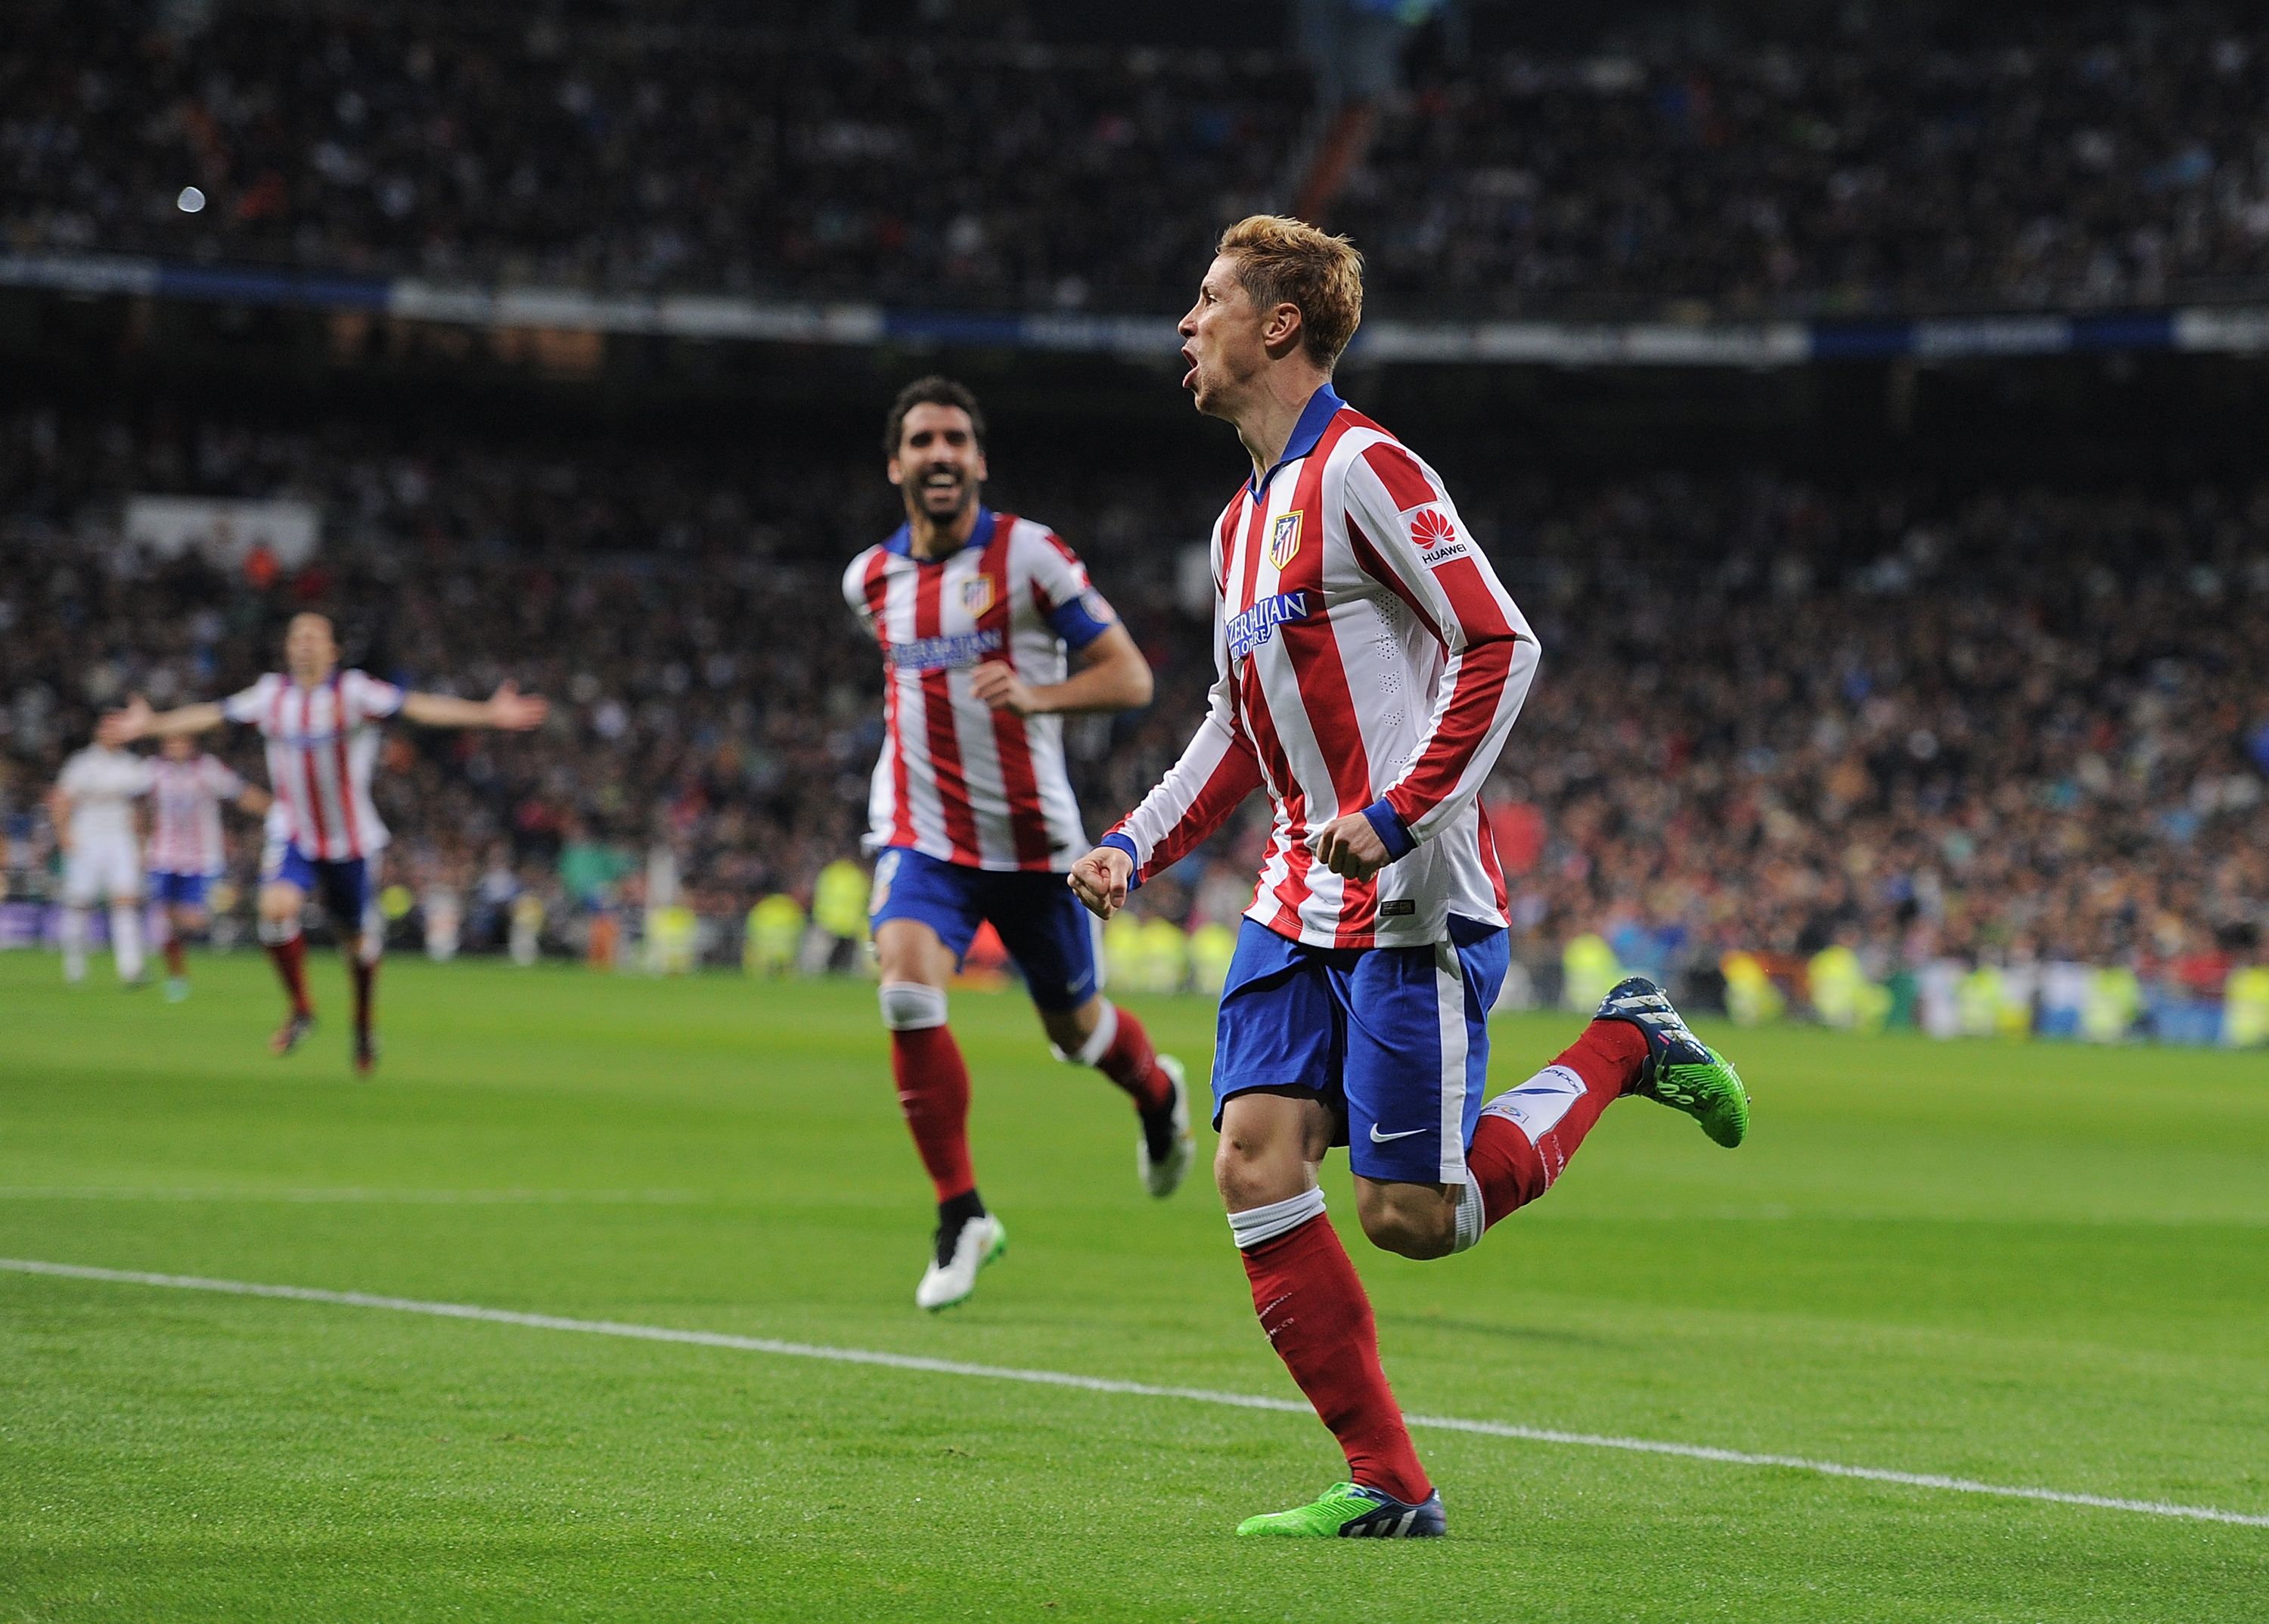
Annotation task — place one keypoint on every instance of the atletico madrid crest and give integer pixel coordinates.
(977, 596)
(1284, 539)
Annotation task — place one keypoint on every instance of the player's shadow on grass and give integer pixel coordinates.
(1498, 1333)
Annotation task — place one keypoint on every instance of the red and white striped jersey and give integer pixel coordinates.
(185, 797)
(958, 780)
(321, 750)
(1368, 661)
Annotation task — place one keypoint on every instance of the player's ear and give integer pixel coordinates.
(898, 475)
(1280, 332)
(982, 473)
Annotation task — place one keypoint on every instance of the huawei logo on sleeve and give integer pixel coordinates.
(1435, 537)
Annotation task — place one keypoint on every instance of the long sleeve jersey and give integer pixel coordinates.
(1367, 660)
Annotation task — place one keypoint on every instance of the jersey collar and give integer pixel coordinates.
(1315, 417)
(902, 539)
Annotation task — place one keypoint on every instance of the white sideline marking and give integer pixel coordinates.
(1104, 1384)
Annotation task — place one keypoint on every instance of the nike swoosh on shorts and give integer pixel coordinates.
(1378, 1137)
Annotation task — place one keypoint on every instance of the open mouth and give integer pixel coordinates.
(941, 482)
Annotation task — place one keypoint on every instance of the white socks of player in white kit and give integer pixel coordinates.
(125, 939)
(74, 943)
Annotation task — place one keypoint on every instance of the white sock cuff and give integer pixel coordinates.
(275, 933)
(1098, 1043)
(1473, 1217)
(912, 1006)
(1257, 1226)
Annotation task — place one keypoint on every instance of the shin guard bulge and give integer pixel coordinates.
(1526, 1137)
(1318, 1318)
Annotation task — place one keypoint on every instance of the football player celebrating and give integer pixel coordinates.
(187, 787)
(1369, 667)
(990, 634)
(321, 744)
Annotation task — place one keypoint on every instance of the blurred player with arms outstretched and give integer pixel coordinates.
(92, 809)
(972, 812)
(1369, 667)
(186, 788)
(321, 744)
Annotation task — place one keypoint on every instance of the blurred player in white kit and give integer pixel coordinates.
(186, 854)
(93, 805)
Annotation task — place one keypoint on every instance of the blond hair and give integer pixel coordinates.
(1281, 261)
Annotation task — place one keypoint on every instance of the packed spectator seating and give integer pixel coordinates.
(1994, 726)
(2070, 158)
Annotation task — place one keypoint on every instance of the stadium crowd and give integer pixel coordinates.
(2073, 159)
(1996, 726)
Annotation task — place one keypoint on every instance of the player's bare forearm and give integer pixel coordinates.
(507, 708)
(254, 800)
(137, 721)
(1100, 880)
(1113, 676)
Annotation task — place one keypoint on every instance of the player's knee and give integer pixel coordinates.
(1082, 1035)
(1408, 1234)
(1418, 1230)
(912, 1006)
(1251, 1171)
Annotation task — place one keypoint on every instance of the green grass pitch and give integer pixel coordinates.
(2043, 1265)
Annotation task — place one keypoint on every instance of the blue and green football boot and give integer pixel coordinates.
(1351, 1511)
(1680, 1070)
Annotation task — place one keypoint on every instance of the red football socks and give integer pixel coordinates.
(177, 960)
(291, 959)
(1132, 1064)
(933, 1094)
(1512, 1169)
(1318, 1318)
(366, 987)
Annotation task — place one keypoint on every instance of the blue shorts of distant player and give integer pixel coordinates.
(178, 891)
(344, 887)
(1050, 935)
(1394, 1039)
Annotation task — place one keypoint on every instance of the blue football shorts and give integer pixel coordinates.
(178, 891)
(347, 888)
(1394, 1039)
(1052, 937)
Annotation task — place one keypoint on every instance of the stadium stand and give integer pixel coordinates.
(1999, 729)
(2066, 160)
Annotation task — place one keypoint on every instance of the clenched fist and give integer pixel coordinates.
(1100, 880)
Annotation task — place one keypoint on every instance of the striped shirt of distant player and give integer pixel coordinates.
(185, 797)
(1368, 660)
(958, 780)
(321, 751)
